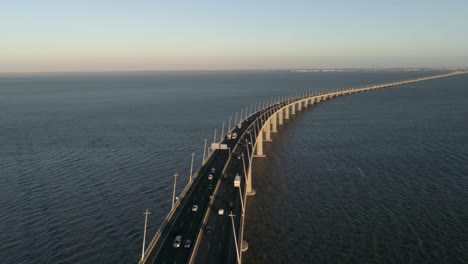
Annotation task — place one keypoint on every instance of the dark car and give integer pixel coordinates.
(208, 229)
(188, 243)
(210, 187)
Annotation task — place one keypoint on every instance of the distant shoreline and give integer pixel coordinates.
(305, 70)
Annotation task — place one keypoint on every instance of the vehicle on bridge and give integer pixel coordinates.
(177, 241)
(237, 180)
(188, 243)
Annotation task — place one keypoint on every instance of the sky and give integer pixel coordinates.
(133, 35)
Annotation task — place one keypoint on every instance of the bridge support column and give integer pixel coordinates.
(273, 123)
(299, 106)
(259, 147)
(267, 129)
(306, 102)
(280, 115)
(250, 191)
(286, 116)
(293, 109)
(318, 99)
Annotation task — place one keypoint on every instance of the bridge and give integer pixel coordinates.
(206, 222)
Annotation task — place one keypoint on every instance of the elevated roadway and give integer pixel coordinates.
(218, 238)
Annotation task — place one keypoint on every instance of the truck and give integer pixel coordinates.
(237, 181)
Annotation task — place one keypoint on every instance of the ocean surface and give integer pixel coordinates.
(378, 177)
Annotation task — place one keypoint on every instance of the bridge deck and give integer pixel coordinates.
(218, 246)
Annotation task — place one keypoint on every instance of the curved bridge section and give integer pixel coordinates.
(213, 232)
(272, 116)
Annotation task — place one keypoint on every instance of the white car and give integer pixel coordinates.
(210, 177)
(177, 241)
(194, 208)
(221, 212)
(213, 170)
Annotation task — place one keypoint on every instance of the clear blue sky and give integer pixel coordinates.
(98, 35)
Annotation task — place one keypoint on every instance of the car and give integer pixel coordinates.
(177, 241)
(208, 229)
(213, 170)
(225, 176)
(187, 243)
(210, 177)
(210, 187)
(221, 211)
(194, 208)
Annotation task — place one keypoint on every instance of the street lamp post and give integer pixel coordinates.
(191, 167)
(204, 152)
(144, 234)
(173, 193)
(229, 129)
(222, 132)
(235, 238)
(214, 138)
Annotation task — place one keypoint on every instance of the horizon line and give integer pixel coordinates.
(327, 69)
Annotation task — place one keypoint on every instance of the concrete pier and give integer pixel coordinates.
(273, 123)
(259, 142)
(280, 115)
(248, 188)
(267, 129)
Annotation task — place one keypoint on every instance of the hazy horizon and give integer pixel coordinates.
(143, 35)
